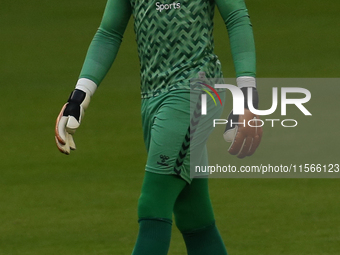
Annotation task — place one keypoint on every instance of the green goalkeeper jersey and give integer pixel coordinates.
(175, 41)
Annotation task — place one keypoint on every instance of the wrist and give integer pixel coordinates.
(246, 81)
(86, 85)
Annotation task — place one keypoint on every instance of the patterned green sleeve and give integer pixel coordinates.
(105, 44)
(236, 18)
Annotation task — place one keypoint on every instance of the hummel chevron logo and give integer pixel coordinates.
(164, 158)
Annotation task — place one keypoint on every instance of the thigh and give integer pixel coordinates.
(158, 196)
(193, 209)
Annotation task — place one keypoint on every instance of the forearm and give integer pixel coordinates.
(100, 56)
(106, 42)
(236, 18)
(242, 43)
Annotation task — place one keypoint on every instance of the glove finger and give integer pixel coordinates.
(244, 150)
(256, 141)
(60, 132)
(240, 137)
(237, 144)
(71, 126)
(63, 148)
(255, 144)
(252, 131)
(71, 143)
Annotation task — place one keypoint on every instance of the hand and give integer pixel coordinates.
(244, 131)
(244, 138)
(69, 120)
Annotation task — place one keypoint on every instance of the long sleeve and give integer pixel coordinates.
(236, 18)
(106, 42)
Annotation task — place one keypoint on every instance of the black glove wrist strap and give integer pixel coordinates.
(77, 96)
(73, 107)
(255, 98)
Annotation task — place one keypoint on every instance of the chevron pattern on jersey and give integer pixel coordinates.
(174, 44)
(195, 118)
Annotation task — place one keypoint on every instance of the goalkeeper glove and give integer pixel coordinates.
(244, 138)
(69, 120)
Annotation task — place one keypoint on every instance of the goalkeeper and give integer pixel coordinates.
(175, 44)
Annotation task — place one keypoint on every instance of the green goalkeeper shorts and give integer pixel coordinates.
(166, 120)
